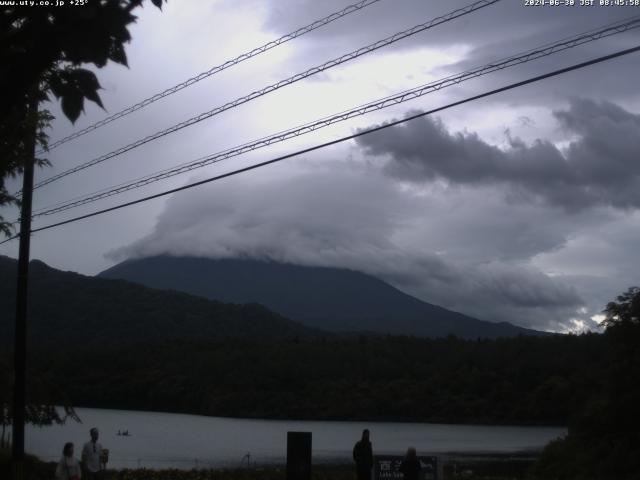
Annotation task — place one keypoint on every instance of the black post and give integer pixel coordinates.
(20, 341)
(298, 455)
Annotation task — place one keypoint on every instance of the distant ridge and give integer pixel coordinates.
(70, 310)
(319, 297)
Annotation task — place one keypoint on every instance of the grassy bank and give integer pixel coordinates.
(477, 467)
(34, 469)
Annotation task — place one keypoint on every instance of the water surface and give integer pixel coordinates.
(163, 440)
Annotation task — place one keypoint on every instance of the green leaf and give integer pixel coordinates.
(56, 85)
(72, 105)
(87, 83)
(118, 54)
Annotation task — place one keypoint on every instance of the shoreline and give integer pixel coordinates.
(325, 420)
(489, 466)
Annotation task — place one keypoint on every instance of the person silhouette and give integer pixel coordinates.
(410, 466)
(363, 456)
(91, 456)
(68, 467)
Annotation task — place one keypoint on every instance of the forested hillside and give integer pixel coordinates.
(524, 380)
(67, 308)
(334, 299)
(604, 430)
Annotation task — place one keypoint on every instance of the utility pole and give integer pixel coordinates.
(20, 339)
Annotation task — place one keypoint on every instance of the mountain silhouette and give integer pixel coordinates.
(73, 311)
(331, 299)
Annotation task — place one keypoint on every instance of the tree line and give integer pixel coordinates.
(590, 382)
(523, 380)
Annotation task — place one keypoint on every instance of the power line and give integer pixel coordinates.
(619, 24)
(343, 139)
(282, 83)
(596, 31)
(217, 69)
(402, 97)
(522, 57)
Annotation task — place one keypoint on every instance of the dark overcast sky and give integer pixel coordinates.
(522, 207)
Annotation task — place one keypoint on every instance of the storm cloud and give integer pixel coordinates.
(599, 167)
(348, 214)
(538, 226)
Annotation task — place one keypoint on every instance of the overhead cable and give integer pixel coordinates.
(276, 86)
(380, 104)
(217, 69)
(360, 133)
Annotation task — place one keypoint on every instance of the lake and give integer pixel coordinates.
(168, 440)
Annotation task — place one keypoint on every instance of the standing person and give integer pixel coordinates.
(363, 456)
(68, 467)
(410, 466)
(91, 455)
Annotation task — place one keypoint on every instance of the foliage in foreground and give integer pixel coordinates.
(34, 469)
(42, 54)
(604, 435)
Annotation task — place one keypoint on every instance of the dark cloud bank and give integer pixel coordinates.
(599, 167)
(444, 216)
